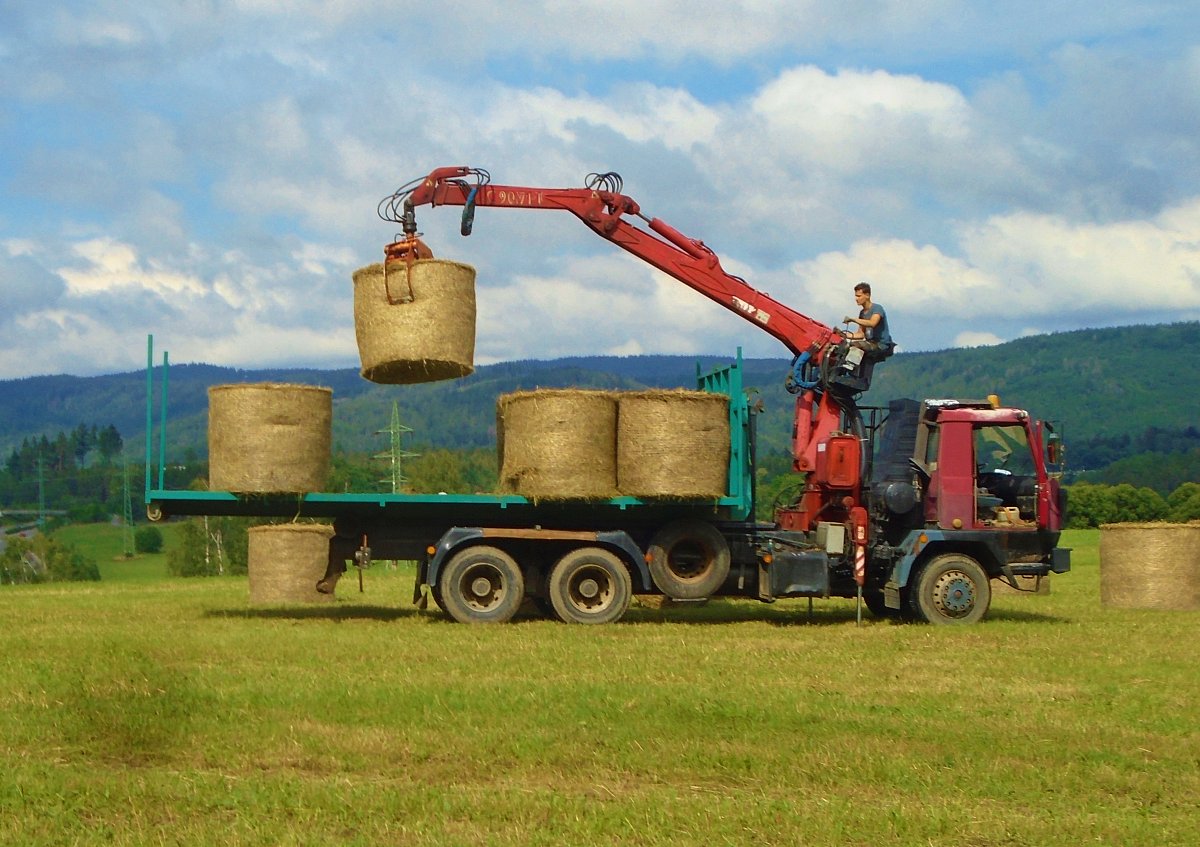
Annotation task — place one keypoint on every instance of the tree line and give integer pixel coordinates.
(66, 451)
(1092, 505)
(77, 470)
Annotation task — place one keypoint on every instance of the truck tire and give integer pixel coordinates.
(950, 589)
(689, 560)
(481, 585)
(590, 585)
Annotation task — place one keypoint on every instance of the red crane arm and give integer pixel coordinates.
(686, 259)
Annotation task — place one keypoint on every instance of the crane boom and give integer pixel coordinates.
(688, 260)
(820, 408)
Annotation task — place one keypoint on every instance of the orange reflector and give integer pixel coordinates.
(768, 558)
(430, 550)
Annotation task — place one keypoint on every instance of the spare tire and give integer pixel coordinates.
(689, 560)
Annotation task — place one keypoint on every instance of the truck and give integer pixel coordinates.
(913, 508)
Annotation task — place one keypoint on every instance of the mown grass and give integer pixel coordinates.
(172, 712)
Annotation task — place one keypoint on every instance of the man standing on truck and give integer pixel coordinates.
(872, 335)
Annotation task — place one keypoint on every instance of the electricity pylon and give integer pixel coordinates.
(396, 455)
(127, 517)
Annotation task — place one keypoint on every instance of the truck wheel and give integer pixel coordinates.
(950, 589)
(590, 585)
(481, 585)
(689, 560)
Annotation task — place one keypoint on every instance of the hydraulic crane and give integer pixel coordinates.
(827, 429)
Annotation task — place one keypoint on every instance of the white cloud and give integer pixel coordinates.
(213, 169)
(109, 265)
(1127, 266)
(977, 339)
(907, 277)
(641, 113)
(840, 122)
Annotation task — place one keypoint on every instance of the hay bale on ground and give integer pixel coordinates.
(673, 444)
(1150, 566)
(558, 444)
(418, 325)
(286, 560)
(269, 437)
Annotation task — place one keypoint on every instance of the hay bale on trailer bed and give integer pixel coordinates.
(269, 437)
(558, 444)
(417, 324)
(673, 444)
(285, 561)
(1150, 566)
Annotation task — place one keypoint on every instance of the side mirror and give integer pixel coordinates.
(1054, 449)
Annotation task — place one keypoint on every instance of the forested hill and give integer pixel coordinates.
(1127, 389)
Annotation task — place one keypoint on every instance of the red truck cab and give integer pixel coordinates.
(987, 468)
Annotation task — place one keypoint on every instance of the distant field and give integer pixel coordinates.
(147, 710)
(106, 544)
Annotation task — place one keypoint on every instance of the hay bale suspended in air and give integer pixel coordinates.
(269, 437)
(673, 444)
(418, 324)
(286, 560)
(1150, 566)
(558, 444)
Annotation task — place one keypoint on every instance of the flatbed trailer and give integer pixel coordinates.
(434, 529)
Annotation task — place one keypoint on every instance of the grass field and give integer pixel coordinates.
(148, 710)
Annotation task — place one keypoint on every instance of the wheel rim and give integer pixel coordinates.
(482, 587)
(954, 594)
(591, 589)
(689, 561)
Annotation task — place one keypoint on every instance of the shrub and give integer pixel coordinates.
(148, 539)
(42, 558)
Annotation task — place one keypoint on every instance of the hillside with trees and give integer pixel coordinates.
(1125, 400)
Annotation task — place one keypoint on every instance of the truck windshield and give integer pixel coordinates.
(1003, 449)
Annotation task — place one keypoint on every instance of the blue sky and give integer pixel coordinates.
(209, 171)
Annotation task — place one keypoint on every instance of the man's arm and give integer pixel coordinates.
(874, 316)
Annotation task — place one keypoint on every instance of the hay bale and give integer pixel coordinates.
(265, 437)
(673, 444)
(286, 560)
(558, 444)
(1030, 585)
(418, 325)
(1150, 566)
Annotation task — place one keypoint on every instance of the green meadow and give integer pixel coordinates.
(145, 709)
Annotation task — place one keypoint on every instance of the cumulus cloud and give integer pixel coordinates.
(976, 339)
(210, 172)
(1131, 266)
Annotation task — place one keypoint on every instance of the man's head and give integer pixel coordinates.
(863, 288)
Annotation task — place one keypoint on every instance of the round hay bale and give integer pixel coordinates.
(286, 560)
(673, 444)
(558, 444)
(418, 325)
(1030, 585)
(1150, 566)
(265, 437)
